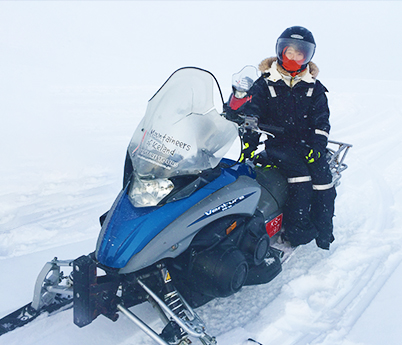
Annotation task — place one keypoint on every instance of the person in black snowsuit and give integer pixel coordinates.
(289, 97)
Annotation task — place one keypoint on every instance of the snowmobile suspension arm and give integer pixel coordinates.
(142, 325)
(192, 326)
(195, 331)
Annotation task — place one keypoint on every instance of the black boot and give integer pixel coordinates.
(322, 212)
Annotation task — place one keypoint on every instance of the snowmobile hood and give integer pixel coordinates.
(127, 229)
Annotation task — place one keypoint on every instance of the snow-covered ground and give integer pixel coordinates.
(75, 78)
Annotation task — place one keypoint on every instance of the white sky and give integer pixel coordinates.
(89, 41)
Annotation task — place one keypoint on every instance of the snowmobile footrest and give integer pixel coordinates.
(277, 252)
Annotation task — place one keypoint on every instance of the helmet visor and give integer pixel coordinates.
(297, 50)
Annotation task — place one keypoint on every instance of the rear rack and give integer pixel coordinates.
(336, 159)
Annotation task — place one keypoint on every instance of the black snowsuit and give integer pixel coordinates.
(301, 113)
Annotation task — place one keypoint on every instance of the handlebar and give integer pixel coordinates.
(251, 123)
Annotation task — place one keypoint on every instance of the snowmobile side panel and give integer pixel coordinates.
(127, 230)
(240, 197)
(267, 204)
(274, 182)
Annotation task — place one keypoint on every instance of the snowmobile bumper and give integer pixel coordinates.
(93, 295)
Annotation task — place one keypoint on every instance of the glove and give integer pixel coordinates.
(247, 152)
(313, 155)
(317, 149)
(251, 141)
(264, 162)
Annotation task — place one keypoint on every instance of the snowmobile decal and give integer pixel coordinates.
(166, 275)
(223, 207)
(143, 137)
(274, 225)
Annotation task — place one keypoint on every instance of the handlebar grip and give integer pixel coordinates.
(272, 129)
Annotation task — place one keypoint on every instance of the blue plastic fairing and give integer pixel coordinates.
(127, 229)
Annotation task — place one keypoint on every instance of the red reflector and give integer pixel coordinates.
(274, 225)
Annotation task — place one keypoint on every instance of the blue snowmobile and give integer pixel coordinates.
(188, 226)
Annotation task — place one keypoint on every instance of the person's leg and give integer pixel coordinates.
(322, 203)
(296, 214)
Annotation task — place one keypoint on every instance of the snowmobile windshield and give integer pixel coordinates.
(182, 132)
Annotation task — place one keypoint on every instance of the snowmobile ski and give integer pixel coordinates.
(27, 313)
(52, 292)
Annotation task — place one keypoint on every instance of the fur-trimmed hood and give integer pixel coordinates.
(266, 64)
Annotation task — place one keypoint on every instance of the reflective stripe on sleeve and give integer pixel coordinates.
(321, 132)
(323, 186)
(299, 179)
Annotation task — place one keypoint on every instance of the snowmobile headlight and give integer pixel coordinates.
(144, 193)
